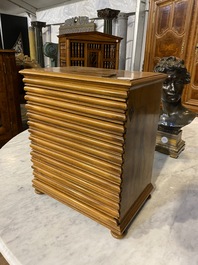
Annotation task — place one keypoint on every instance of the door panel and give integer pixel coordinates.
(190, 96)
(168, 30)
(172, 31)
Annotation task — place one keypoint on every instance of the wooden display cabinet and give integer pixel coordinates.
(91, 49)
(93, 134)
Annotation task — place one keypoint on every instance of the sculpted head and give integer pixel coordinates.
(177, 77)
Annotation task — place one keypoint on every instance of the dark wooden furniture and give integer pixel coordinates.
(92, 49)
(10, 114)
(172, 31)
(93, 134)
(18, 38)
(2, 260)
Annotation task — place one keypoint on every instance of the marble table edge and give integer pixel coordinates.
(7, 254)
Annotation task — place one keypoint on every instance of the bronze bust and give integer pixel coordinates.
(173, 115)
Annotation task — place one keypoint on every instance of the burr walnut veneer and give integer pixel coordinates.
(93, 134)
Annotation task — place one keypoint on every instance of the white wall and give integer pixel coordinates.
(84, 8)
(89, 8)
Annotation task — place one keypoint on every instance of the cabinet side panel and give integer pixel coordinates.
(140, 138)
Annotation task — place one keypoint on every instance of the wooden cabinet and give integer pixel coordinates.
(93, 134)
(92, 49)
(172, 31)
(10, 115)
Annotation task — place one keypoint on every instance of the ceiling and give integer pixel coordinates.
(16, 7)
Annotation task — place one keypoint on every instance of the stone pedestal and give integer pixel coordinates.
(169, 143)
(108, 15)
(37, 25)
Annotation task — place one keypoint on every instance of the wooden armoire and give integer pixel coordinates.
(10, 114)
(173, 31)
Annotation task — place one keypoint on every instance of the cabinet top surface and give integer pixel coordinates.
(95, 74)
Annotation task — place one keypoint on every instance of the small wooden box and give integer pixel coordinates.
(93, 134)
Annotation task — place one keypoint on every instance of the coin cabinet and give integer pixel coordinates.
(93, 134)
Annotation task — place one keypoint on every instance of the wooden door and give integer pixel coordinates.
(172, 31)
(190, 95)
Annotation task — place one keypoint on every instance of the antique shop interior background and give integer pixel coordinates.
(147, 30)
(148, 33)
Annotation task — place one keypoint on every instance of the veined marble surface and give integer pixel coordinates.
(37, 230)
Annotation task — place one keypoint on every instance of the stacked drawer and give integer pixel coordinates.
(77, 138)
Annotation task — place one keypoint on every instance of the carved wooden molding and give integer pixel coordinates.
(77, 24)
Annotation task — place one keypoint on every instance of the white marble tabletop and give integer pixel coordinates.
(37, 230)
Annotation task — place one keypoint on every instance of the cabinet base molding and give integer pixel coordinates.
(119, 228)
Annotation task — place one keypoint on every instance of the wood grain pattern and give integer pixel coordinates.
(93, 139)
(2, 260)
(172, 31)
(10, 114)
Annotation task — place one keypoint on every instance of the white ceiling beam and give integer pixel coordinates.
(29, 8)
